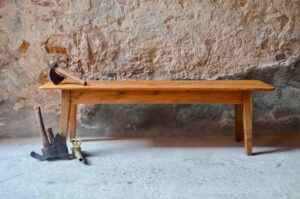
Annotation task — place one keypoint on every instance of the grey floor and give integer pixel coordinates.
(199, 167)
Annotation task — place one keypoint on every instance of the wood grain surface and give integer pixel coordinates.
(163, 85)
(247, 121)
(155, 97)
(238, 92)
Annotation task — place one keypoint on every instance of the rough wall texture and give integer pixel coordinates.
(157, 39)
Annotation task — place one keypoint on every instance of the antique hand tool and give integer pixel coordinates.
(54, 147)
(57, 75)
(50, 135)
(39, 117)
(76, 149)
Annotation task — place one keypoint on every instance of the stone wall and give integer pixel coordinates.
(157, 39)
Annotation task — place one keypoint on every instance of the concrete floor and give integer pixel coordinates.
(195, 167)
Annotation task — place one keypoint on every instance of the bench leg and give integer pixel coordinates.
(247, 112)
(238, 122)
(64, 113)
(73, 114)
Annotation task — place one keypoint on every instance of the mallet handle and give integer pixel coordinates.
(44, 138)
(50, 134)
(62, 71)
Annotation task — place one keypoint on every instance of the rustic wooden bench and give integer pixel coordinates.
(237, 92)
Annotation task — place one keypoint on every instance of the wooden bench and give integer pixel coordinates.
(237, 92)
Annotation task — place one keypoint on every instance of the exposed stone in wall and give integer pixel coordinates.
(159, 39)
(24, 46)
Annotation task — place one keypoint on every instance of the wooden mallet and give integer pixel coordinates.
(56, 73)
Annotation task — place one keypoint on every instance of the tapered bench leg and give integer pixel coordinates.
(238, 122)
(64, 113)
(247, 118)
(73, 114)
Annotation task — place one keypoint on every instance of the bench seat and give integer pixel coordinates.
(237, 92)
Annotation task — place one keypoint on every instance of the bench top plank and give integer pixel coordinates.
(163, 85)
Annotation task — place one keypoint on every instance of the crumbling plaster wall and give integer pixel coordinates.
(149, 39)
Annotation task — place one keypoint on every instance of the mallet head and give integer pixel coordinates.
(54, 77)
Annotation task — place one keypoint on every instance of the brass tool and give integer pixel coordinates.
(76, 149)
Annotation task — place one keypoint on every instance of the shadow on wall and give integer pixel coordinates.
(274, 112)
(277, 111)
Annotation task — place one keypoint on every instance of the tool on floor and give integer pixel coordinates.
(58, 74)
(39, 117)
(50, 134)
(76, 150)
(54, 147)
